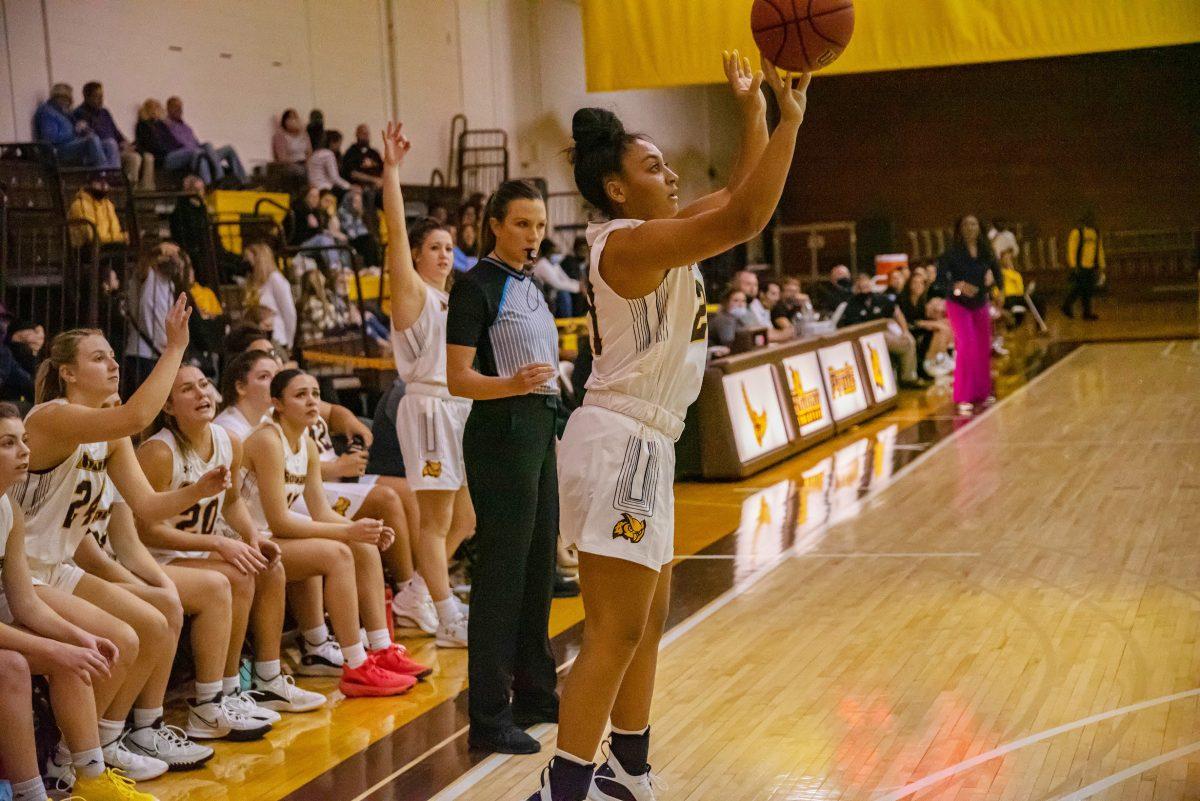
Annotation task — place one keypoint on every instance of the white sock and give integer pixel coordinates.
(447, 610)
(317, 635)
(378, 640)
(62, 754)
(110, 730)
(29, 790)
(146, 717)
(207, 691)
(88, 764)
(401, 586)
(615, 730)
(267, 671)
(563, 755)
(355, 655)
(231, 685)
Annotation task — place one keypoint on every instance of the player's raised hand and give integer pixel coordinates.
(395, 145)
(176, 323)
(791, 92)
(745, 83)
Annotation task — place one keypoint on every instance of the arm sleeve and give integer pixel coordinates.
(1072, 247)
(469, 315)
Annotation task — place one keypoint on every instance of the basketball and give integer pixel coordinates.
(802, 35)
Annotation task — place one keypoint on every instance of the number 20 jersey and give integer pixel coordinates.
(649, 352)
(62, 502)
(187, 468)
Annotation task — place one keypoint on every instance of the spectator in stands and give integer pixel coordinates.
(18, 360)
(1002, 238)
(1085, 258)
(93, 204)
(827, 296)
(465, 247)
(354, 226)
(968, 268)
(154, 137)
(192, 230)
(556, 285)
(933, 337)
(866, 305)
(769, 295)
(897, 279)
(363, 165)
(312, 228)
(92, 113)
(73, 143)
(439, 212)
(25, 339)
(267, 287)
(322, 165)
(290, 143)
(316, 128)
(224, 159)
(747, 282)
(158, 280)
(733, 316)
(791, 302)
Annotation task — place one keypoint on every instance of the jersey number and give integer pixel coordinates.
(203, 513)
(700, 326)
(83, 497)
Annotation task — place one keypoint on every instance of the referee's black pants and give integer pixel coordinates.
(508, 445)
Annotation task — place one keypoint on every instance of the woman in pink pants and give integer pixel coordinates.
(970, 269)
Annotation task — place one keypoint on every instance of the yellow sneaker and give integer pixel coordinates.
(111, 785)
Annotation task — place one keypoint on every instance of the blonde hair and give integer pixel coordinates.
(151, 109)
(64, 350)
(262, 264)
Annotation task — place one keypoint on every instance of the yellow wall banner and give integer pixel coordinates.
(632, 44)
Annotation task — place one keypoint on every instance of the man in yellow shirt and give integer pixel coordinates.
(1085, 257)
(93, 204)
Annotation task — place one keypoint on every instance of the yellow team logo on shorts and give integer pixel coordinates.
(341, 505)
(630, 528)
(432, 469)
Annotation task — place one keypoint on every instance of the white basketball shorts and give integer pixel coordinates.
(430, 430)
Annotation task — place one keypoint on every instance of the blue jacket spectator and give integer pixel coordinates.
(74, 144)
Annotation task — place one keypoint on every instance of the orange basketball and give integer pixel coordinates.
(802, 35)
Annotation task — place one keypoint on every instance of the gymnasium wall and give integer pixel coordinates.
(1031, 141)
(515, 64)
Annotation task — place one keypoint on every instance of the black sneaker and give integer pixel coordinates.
(526, 717)
(565, 587)
(509, 740)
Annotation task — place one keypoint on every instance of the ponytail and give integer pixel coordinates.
(497, 209)
(64, 349)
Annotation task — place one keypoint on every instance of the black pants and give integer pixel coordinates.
(1083, 287)
(512, 471)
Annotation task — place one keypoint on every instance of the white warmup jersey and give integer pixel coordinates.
(6, 523)
(295, 473)
(429, 420)
(187, 468)
(233, 421)
(60, 504)
(617, 457)
(345, 497)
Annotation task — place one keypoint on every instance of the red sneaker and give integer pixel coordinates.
(395, 659)
(370, 680)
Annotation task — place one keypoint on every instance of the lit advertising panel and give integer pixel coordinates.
(879, 366)
(803, 375)
(755, 412)
(843, 380)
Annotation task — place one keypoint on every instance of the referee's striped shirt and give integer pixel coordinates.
(502, 313)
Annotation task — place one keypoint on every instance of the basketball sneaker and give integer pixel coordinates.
(611, 783)
(111, 785)
(281, 694)
(169, 744)
(217, 719)
(370, 680)
(138, 767)
(452, 635)
(319, 660)
(60, 773)
(246, 701)
(395, 659)
(413, 608)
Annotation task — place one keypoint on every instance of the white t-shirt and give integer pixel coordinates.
(276, 294)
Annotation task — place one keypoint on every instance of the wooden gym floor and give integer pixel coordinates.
(925, 608)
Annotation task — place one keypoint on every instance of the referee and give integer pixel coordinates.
(502, 352)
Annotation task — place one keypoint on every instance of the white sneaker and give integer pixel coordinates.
(453, 634)
(462, 607)
(168, 744)
(320, 660)
(413, 608)
(60, 775)
(247, 702)
(217, 719)
(610, 782)
(282, 695)
(138, 767)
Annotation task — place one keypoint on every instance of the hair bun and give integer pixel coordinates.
(592, 127)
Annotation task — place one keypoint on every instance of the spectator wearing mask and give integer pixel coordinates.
(92, 113)
(354, 226)
(74, 143)
(1085, 258)
(290, 144)
(154, 137)
(224, 159)
(970, 272)
(93, 204)
(828, 295)
(555, 283)
(159, 280)
(791, 302)
(316, 128)
(322, 165)
(866, 305)
(733, 316)
(266, 286)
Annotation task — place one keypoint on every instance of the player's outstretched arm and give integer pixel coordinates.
(408, 293)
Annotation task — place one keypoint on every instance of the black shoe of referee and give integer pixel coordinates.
(565, 587)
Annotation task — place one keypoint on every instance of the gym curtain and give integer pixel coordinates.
(632, 44)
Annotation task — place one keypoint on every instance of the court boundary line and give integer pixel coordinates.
(468, 780)
(1129, 773)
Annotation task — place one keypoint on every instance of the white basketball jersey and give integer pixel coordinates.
(295, 474)
(6, 524)
(420, 349)
(187, 468)
(98, 530)
(648, 353)
(61, 503)
(319, 431)
(233, 421)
